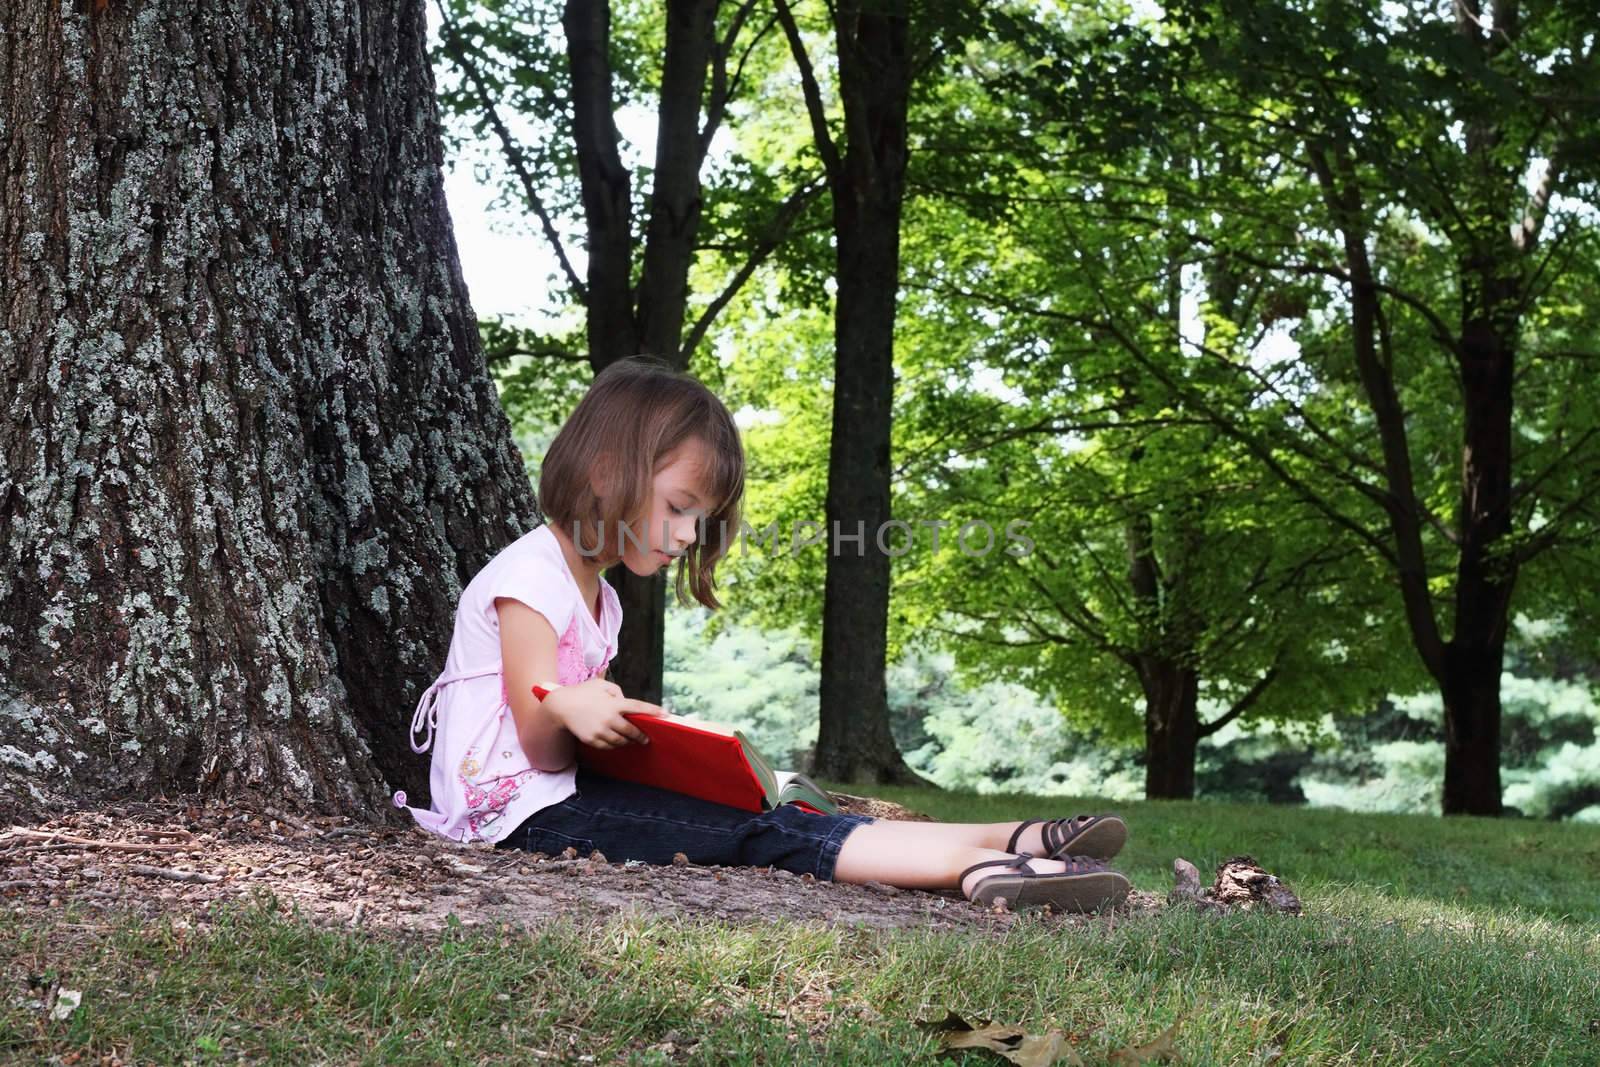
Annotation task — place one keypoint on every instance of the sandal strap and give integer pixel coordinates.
(1082, 864)
(1053, 833)
(1058, 832)
(1011, 846)
(1019, 861)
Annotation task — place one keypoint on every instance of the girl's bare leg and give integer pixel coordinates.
(928, 855)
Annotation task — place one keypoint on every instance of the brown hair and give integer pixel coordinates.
(636, 411)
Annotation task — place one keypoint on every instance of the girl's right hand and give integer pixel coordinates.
(591, 711)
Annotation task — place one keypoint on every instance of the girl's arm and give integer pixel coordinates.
(528, 655)
(549, 730)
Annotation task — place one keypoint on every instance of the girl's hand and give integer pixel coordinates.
(592, 712)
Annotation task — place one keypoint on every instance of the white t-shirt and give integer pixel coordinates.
(482, 783)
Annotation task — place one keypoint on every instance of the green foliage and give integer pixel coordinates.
(995, 737)
(1392, 760)
(1125, 318)
(1410, 772)
(763, 682)
(998, 737)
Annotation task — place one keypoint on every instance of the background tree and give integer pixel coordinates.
(636, 288)
(251, 453)
(1439, 164)
(865, 164)
(1404, 186)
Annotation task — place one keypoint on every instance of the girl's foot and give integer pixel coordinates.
(1076, 883)
(1097, 836)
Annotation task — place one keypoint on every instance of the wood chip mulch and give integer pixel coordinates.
(177, 858)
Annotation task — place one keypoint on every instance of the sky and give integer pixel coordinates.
(505, 265)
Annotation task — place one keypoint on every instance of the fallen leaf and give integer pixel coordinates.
(1159, 1049)
(67, 1001)
(1011, 1042)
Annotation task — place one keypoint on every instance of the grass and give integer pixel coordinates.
(1393, 964)
(1541, 868)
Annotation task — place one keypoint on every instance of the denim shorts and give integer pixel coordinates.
(627, 821)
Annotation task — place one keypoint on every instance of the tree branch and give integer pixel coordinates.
(458, 53)
(1342, 197)
(1244, 703)
(721, 88)
(808, 83)
(556, 352)
(772, 237)
(1229, 427)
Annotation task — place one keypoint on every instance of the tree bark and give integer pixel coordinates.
(1470, 681)
(1467, 665)
(675, 197)
(854, 742)
(1471, 692)
(252, 453)
(1171, 727)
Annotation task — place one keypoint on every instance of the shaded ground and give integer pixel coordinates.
(178, 859)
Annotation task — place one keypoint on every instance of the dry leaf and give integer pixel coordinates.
(1011, 1042)
(67, 1001)
(1158, 1050)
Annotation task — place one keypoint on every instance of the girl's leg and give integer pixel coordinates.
(629, 821)
(927, 855)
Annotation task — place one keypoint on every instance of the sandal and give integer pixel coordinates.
(1085, 885)
(1098, 836)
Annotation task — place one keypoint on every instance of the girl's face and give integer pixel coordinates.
(676, 506)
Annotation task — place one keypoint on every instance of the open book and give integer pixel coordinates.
(706, 760)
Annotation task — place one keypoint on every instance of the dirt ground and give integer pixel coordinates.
(177, 859)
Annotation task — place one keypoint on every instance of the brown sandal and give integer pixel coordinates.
(1085, 885)
(1099, 836)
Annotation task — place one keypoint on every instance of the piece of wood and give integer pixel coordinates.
(174, 874)
(55, 840)
(1243, 883)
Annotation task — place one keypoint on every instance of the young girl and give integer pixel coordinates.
(649, 470)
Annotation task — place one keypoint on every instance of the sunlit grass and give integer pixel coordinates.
(1425, 941)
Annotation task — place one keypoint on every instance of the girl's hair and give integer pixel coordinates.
(637, 410)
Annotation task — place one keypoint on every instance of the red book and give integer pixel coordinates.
(705, 760)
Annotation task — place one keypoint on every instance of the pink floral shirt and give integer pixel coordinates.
(482, 783)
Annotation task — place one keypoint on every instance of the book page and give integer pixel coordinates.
(792, 785)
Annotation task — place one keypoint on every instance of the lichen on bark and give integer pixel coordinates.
(251, 451)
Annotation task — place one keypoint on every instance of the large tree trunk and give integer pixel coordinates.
(252, 453)
(854, 743)
(1171, 728)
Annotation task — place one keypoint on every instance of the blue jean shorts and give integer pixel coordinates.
(627, 821)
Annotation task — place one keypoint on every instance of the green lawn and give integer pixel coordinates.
(1495, 865)
(1427, 941)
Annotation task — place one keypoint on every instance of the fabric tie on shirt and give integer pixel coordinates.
(426, 717)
